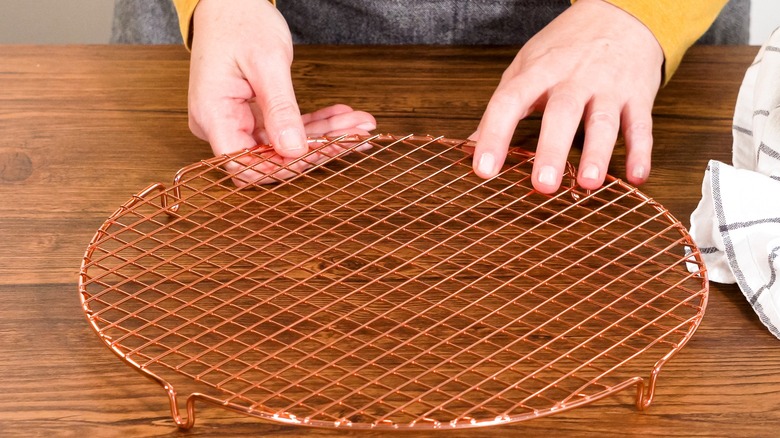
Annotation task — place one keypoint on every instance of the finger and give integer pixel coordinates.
(217, 107)
(508, 105)
(324, 113)
(260, 168)
(270, 167)
(259, 134)
(360, 120)
(269, 76)
(602, 123)
(325, 123)
(562, 114)
(352, 139)
(638, 133)
(227, 125)
(242, 173)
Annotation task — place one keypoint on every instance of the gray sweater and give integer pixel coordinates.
(399, 21)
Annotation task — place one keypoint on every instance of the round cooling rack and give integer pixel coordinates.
(378, 283)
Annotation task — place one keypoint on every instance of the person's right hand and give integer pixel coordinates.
(240, 84)
(330, 122)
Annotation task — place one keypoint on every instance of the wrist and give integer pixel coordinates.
(631, 28)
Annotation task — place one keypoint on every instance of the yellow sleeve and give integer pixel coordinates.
(185, 9)
(676, 24)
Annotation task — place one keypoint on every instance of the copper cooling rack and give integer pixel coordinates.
(378, 283)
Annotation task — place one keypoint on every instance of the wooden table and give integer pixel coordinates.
(83, 128)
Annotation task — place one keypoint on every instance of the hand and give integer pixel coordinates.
(241, 91)
(595, 63)
(332, 121)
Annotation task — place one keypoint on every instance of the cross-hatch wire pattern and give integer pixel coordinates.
(378, 283)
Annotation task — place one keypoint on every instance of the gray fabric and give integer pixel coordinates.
(400, 21)
(145, 22)
(419, 21)
(732, 25)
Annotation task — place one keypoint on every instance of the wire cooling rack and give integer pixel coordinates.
(378, 283)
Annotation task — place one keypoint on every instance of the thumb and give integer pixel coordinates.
(281, 116)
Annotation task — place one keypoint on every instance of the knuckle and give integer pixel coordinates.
(281, 107)
(565, 102)
(603, 119)
(504, 102)
(509, 74)
(639, 129)
(504, 97)
(193, 123)
(194, 126)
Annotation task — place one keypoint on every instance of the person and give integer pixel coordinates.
(599, 61)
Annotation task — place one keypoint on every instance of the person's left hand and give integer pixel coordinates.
(595, 63)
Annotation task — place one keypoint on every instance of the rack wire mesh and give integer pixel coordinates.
(378, 283)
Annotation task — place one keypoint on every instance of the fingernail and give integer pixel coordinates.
(368, 126)
(590, 172)
(547, 175)
(292, 140)
(486, 163)
(639, 172)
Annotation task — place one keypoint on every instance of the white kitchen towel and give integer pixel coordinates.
(737, 222)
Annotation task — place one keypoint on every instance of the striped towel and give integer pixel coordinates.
(737, 223)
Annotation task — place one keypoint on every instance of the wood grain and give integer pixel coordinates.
(82, 128)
